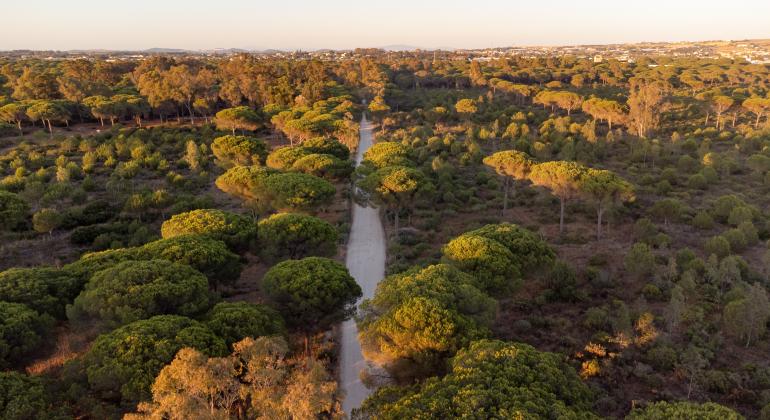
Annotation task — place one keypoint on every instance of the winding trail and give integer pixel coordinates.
(366, 262)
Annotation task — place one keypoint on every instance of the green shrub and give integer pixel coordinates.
(737, 240)
(418, 318)
(562, 282)
(639, 260)
(121, 365)
(14, 211)
(652, 292)
(703, 220)
(234, 229)
(719, 246)
(596, 318)
(234, 321)
(22, 397)
(294, 236)
(22, 331)
(203, 253)
(44, 289)
(239, 150)
(134, 290)
(487, 379)
(489, 262)
(683, 411)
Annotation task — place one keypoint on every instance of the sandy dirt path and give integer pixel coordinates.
(366, 262)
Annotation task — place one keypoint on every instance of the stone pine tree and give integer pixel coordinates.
(238, 118)
(562, 178)
(605, 189)
(511, 165)
(746, 318)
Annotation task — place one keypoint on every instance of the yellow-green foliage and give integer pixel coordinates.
(490, 263)
(418, 318)
(491, 379)
(234, 229)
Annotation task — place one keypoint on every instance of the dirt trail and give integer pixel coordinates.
(366, 262)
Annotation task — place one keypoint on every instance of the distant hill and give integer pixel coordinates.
(165, 51)
(400, 47)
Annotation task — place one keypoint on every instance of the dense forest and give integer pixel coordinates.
(566, 238)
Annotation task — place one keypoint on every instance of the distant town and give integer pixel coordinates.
(755, 51)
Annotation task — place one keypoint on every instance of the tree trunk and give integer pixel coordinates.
(561, 215)
(505, 194)
(756, 123)
(708, 114)
(599, 214)
(307, 347)
(192, 117)
(395, 224)
(18, 125)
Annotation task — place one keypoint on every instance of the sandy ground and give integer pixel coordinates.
(366, 262)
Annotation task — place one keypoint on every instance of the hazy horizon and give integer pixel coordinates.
(347, 24)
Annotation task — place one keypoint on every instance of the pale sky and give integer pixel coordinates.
(342, 24)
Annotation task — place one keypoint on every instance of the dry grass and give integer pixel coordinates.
(70, 344)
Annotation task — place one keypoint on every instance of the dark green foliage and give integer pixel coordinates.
(312, 293)
(496, 255)
(22, 331)
(530, 251)
(239, 150)
(234, 321)
(205, 254)
(97, 211)
(418, 318)
(639, 260)
(718, 245)
(324, 166)
(21, 397)
(489, 262)
(238, 118)
(234, 229)
(89, 264)
(13, 210)
(684, 410)
(134, 290)
(288, 235)
(106, 233)
(321, 157)
(328, 146)
(298, 191)
(121, 365)
(562, 282)
(725, 205)
(44, 289)
(491, 379)
(249, 184)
